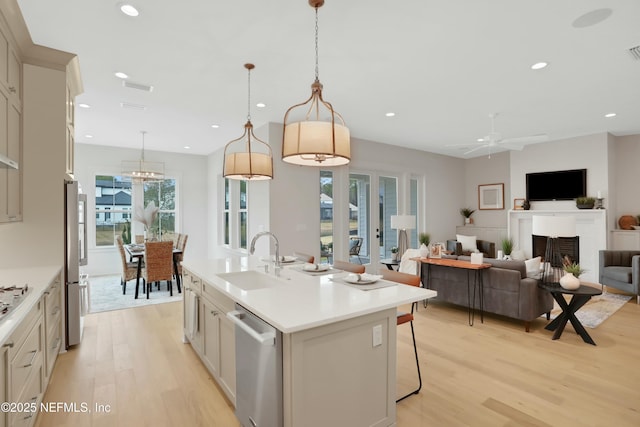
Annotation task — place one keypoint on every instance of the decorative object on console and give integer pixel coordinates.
(477, 258)
(318, 138)
(571, 278)
(553, 227)
(466, 213)
(626, 222)
(435, 250)
(585, 202)
(491, 196)
(142, 170)
(244, 158)
(402, 223)
(507, 247)
(518, 204)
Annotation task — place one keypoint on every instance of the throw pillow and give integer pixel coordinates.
(468, 243)
(533, 267)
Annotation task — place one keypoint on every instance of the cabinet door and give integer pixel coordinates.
(211, 345)
(14, 186)
(3, 381)
(228, 357)
(4, 172)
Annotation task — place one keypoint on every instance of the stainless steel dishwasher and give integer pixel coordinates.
(258, 370)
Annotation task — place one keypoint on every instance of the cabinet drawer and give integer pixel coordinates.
(20, 333)
(195, 284)
(28, 356)
(54, 340)
(52, 297)
(32, 395)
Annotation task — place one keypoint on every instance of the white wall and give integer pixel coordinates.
(39, 238)
(487, 170)
(626, 175)
(193, 184)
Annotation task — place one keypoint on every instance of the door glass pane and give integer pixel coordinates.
(388, 205)
(227, 218)
(413, 210)
(243, 229)
(326, 216)
(359, 214)
(113, 209)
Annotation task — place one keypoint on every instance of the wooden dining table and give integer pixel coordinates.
(137, 252)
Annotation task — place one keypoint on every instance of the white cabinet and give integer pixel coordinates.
(622, 240)
(10, 130)
(214, 338)
(53, 300)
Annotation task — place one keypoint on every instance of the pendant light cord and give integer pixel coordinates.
(248, 94)
(317, 68)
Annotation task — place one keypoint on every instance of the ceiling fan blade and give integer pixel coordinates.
(510, 146)
(525, 139)
(476, 149)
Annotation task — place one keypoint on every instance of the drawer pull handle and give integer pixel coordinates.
(12, 89)
(8, 344)
(47, 292)
(33, 357)
(55, 311)
(56, 344)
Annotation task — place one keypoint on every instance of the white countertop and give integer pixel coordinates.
(38, 278)
(297, 301)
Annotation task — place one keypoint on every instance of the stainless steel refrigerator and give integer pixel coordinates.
(75, 249)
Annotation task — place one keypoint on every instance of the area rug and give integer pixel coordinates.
(105, 294)
(597, 310)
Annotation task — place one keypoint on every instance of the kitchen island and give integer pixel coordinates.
(338, 341)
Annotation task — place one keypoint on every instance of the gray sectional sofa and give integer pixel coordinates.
(507, 289)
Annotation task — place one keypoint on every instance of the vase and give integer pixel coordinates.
(424, 251)
(569, 282)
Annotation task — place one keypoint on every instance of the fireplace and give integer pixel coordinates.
(569, 248)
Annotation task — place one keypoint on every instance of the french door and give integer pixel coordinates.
(373, 199)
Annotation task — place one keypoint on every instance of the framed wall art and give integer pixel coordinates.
(490, 196)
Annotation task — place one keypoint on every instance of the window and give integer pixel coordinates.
(235, 220)
(115, 199)
(326, 215)
(113, 209)
(359, 205)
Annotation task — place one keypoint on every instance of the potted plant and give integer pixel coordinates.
(585, 202)
(424, 239)
(394, 253)
(507, 247)
(570, 280)
(466, 213)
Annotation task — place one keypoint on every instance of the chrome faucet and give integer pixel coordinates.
(252, 248)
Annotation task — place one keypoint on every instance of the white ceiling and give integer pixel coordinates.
(442, 66)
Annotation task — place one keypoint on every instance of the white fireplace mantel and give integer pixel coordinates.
(591, 227)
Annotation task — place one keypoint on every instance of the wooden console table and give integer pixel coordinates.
(466, 265)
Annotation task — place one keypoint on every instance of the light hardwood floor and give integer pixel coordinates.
(491, 374)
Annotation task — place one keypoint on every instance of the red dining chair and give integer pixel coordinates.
(402, 318)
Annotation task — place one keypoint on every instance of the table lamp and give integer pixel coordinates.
(403, 223)
(552, 227)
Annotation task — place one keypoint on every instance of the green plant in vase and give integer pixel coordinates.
(570, 280)
(424, 239)
(585, 202)
(466, 213)
(507, 246)
(394, 253)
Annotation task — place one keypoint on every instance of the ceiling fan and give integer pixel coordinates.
(494, 139)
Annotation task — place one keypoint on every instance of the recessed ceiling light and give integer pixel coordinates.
(539, 65)
(88, 136)
(215, 126)
(121, 75)
(592, 18)
(186, 147)
(610, 115)
(261, 105)
(390, 114)
(83, 105)
(480, 139)
(129, 10)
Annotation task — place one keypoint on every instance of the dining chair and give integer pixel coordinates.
(304, 257)
(355, 244)
(402, 318)
(178, 240)
(182, 246)
(347, 266)
(158, 258)
(129, 269)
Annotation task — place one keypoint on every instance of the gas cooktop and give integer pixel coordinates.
(10, 298)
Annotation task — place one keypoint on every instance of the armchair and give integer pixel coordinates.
(621, 270)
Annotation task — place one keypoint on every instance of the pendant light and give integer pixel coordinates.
(248, 158)
(319, 137)
(142, 170)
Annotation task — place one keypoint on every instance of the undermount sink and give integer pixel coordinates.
(250, 280)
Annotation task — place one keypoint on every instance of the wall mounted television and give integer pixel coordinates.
(557, 185)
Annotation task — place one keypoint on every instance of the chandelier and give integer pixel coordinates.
(248, 157)
(319, 137)
(142, 170)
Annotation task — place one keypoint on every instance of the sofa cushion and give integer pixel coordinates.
(468, 243)
(619, 273)
(509, 265)
(533, 267)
